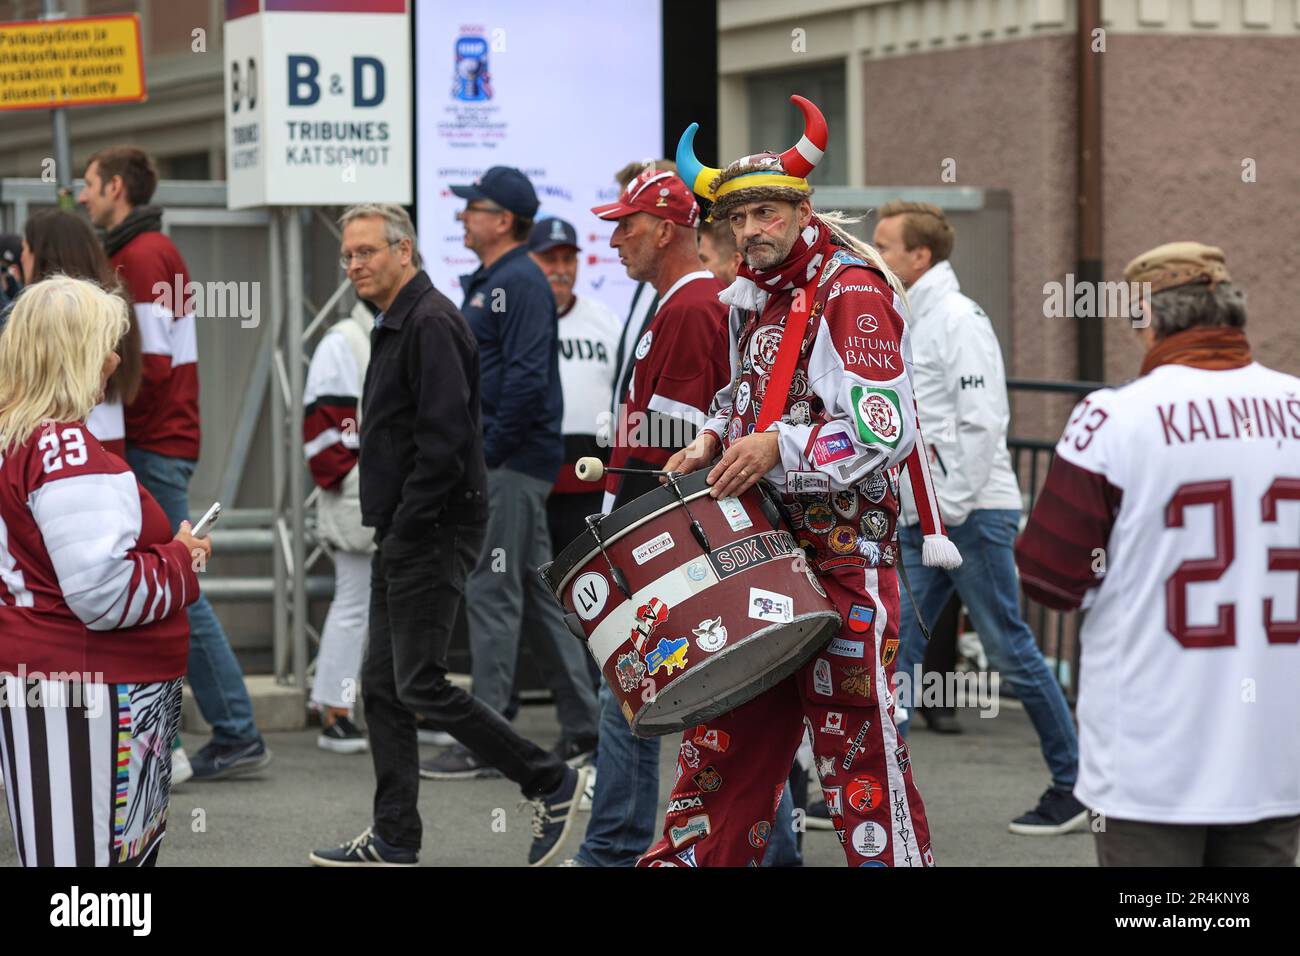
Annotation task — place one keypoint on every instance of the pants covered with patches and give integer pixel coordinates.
(729, 782)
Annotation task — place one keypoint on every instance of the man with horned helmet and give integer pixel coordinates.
(820, 405)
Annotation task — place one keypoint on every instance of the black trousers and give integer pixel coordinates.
(415, 591)
(566, 516)
(941, 651)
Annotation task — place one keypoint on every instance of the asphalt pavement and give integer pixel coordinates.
(972, 784)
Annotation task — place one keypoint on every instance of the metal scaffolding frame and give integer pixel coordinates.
(289, 504)
(276, 380)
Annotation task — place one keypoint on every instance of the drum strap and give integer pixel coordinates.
(787, 356)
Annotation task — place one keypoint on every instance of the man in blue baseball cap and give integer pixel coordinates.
(589, 332)
(511, 310)
(501, 189)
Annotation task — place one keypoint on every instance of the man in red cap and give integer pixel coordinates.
(681, 358)
(681, 361)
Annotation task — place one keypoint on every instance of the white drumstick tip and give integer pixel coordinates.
(589, 469)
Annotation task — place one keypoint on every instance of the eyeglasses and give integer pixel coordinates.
(472, 208)
(362, 256)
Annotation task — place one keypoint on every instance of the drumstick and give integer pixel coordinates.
(593, 469)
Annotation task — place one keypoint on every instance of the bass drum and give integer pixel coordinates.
(690, 605)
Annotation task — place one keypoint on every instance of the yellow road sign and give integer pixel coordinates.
(82, 61)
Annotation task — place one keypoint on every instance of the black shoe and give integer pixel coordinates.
(368, 849)
(576, 753)
(941, 720)
(817, 816)
(553, 815)
(1057, 813)
(456, 763)
(343, 737)
(220, 761)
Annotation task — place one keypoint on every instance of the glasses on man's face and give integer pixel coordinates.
(464, 213)
(362, 255)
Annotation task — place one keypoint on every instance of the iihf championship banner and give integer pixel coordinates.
(509, 83)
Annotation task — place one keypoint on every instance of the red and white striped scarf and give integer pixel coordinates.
(753, 286)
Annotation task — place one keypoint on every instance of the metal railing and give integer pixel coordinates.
(1056, 633)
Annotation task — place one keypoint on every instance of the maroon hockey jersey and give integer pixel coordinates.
(91, 580)
(681, 362)
(164, 418)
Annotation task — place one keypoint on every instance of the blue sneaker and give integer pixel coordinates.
(219, 761)
(553, 815)
(1057, 813)
(368, 849)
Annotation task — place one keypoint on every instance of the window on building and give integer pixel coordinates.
(185, 166)
(774, 123)
(171, 24)
(34, 9)
(20, 10)
(103, 8)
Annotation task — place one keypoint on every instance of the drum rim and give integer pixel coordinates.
(633, 523)
(832, 620)
(564, 558)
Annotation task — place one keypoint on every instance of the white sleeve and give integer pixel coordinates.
(91, 527)
(977, 387)
(333, 370)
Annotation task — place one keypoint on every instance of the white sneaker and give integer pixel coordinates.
(181, 769)
(588, 794)
(435, 738)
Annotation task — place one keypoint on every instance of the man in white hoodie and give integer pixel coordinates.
(962, 395)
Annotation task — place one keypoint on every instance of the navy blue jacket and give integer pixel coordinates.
(511, 309)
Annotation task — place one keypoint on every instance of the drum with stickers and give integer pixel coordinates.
(691, 605)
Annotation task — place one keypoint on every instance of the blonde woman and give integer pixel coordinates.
(93, 590)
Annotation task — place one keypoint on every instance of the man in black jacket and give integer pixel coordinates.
(510, 308)
(423, 490)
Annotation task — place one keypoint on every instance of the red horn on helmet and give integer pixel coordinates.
(800, 158)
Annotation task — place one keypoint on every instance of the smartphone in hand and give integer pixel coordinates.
(205, 523)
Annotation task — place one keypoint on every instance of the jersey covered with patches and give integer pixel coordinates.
(164, 418)
(681, 361)
(849, 420)
(91, 580)
(1172, 513)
